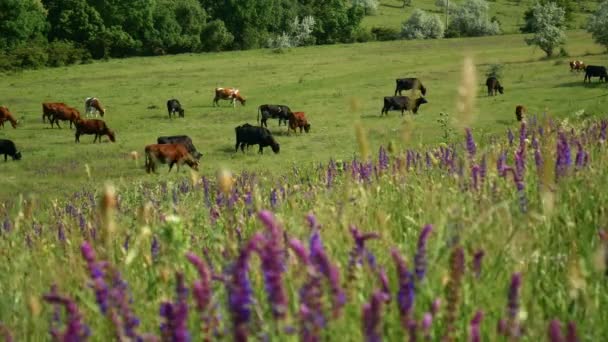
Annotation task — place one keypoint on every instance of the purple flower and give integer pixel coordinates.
(97, 276)
(385, 286)
(476, 265)
(563, 160)
(312, 221)
(581, 156)
(7, 226)
(405, 294)
(510, 136)
(427, 321)
(321, 262)
(435, 306)
(471, 148)
(372, 317)
(538, 159)
(571, 333)
(75, 329)
(383, 160)
(5, 333)
(555, 331)
(603, 126)
(60, 232)
(359, 251)
(420, 257)
(513, 307)
(271, 252)
(155, 248)
(475, 335)
(453, 290)
(175, 325)
(523, 133)
(121, 299)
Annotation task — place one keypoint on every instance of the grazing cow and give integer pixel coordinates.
(402, 103)
(228, 94)
(520, 112)
(173, 107)
(595, 71)
(577, 65)
(168, 154)
(7, 147)
(494, 86)
(298, 120)
(252, 135)
(6, 115)
(280, 112)
(409, 83)
(59, 111)
(93, 126)
(92, 106)
(181, 139)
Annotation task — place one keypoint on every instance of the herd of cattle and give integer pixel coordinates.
(180, 150)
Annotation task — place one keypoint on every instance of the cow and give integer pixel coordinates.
(409, 83)
(168, 154)
(232, 94)
(267, 111)
(93, 126)
(577, 65)
(402, 103)
(181, 139)
(298, 120)
(92, 106)
(520, 112)
(494, 86)
(7, 147)
(252, 135)
(173, 107)
(6, 115)
(595, 71)
(59, 111)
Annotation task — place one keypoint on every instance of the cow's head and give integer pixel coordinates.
(422, 90)
(193, 163)
(197, 155)
(17, 155)
(419, 102)
(182, 113)
(501, 89)
(240, 99)
(307, 127)
(111, 135)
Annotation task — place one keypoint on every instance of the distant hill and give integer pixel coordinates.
(510, 13)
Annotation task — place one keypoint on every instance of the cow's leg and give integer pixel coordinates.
(261, 151)
(171, 165)
(77, 137)
(243, 147)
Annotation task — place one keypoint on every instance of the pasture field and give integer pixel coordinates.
(510, 13)
(335, 85)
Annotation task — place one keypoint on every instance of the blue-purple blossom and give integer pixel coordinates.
(510, 136)
(471, 148)
(420, 257)
(175, 314)
(563, 160)
(405, 294)
(75, 330)
(359, 252)
(7, 226)
(555, 331)
(476, 264)
(475, 334)
(97, 276)
(427, 322)
(372, 317)
(321, 262)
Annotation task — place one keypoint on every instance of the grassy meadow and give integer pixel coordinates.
(507, 230)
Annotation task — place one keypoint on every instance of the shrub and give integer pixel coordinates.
(471, 19)
(547, 22)
(385, 33)
(495, 70)
(369, 6)
(598, 25)
(30, 57)
(215, 36)
(422, 25)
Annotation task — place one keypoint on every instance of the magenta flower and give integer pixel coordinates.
(471, 148)
(475, 335)
(571, 333)
(555, 331)
(97, 276)
(476, 264)
(427, 322)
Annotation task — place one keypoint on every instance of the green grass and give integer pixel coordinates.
(510, 13)
(335, 85)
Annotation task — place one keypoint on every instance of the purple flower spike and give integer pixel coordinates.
(201, 289)
(97, 276)
(435, 306)
(471, 148)
(312, 221)
(5, 333)
(372, 317)
(510, 136)
(477, 259)
(175, 327)
(514, 296)
(420, 257)
(385, 286)
(571, 333)
(555, 331)
(300, 250)
(427, 322)
(75, 329)
(359, 252)
(453, 290)
(405, 294)
(321, 262)
(475, 335)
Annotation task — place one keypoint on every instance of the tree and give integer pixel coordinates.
(422, 25)
(215, 36)
(73, 20)
(567, 5)
(471, 19)
(178, 25)
(547, 23)
(369, 6)
(21, 21)
(598, 25)
(336, 20)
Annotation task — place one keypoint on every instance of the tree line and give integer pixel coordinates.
(56, 32)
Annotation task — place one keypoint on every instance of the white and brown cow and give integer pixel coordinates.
(231, 94)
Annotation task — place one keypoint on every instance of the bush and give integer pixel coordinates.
(495, 70)
(422, 25)
(547, 23)
(215, 36)
(369, 6)
(385, 33)
(471, 19)
(30, 57)
(598, 25)
(63, 53)
(363, 35)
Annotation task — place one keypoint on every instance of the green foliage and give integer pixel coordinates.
(422, 25)
(385, 33)
(61, 53)
(567, 5)
(215, 36)
(369, 6)
(337, 21)
(547, 24)
(21, 22)
(598, 24)
(73, 20)
(495, 70)
(178, 26)
(471, 19)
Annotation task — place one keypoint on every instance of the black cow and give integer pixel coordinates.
(7, 147)
(252, 135)
(280, 112)
(181, 139)
(494, 86)
(409, 83)
(402, 103)
(173, 106)
(595, 71)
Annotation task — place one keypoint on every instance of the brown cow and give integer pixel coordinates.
(93, 126)
(520, 112)
(228, 94)
(59, 111)
(6, 115)
(298, 120)
(92, 106)
(577, 65)
(168, 154)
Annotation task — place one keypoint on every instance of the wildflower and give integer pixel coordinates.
(155, 248)
(121, 300)
(372, 317)
(555, 331)
(571, 333)
(5, 333)
(453, 290)
(405, 294)
(510, 136)
(321, 262)
(427, 321)
(420, 257)
(581, 156)
(476, 265)
(383, 160)
(471, 148)
(435, 306)
(175, 326)
(75, 329)
(97, 276)
(7, 226)
(563, 160)
(273, 198)
(474, 335)
(359, 251)
(201, 290)
(513, 307)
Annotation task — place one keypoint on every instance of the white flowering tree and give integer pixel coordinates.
(300, 33)
(472, 19)
(422, 25)
(598, 25)
(547, 23)
(369, 6)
